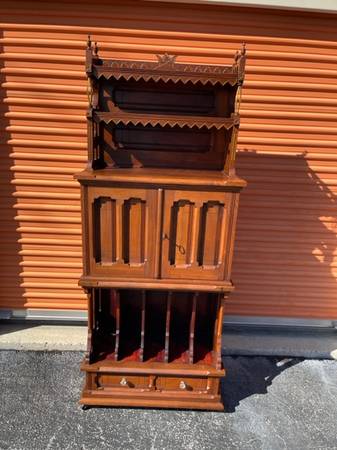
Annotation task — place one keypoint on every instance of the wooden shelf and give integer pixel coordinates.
(158, 284)
(173, 369)
(119, 116)
(156, 176)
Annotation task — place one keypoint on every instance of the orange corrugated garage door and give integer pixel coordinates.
(285, 263)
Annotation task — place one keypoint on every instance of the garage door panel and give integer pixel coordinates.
(285, 259)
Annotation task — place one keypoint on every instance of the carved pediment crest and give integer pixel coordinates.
(166, 59)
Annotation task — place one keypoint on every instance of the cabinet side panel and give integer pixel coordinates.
(86, 238)
(233, 212)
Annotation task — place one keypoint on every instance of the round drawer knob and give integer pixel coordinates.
(182, 385)
(124, 382)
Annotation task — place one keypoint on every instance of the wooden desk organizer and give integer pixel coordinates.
(159, 207)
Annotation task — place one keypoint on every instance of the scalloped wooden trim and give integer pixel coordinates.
(167, 69)
(166, 120)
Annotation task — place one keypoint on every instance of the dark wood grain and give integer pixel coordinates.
(159, 207)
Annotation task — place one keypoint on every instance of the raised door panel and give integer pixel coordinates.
(195, 234)
(122, 232)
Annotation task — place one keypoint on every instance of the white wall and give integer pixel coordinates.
(328, 6)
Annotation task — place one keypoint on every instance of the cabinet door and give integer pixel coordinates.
(122, 229)
(195, 232)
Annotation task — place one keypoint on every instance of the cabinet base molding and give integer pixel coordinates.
(151, 399)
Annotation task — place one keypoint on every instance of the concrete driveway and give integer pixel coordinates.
(272, 403)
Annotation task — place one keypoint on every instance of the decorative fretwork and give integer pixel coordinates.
(167, 69)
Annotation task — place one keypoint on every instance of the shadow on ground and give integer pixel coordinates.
(273, 404)
(12, 327)
(246, 376)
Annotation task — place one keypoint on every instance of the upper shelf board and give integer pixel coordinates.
(198, 122)
(155, 176)
(165, 69)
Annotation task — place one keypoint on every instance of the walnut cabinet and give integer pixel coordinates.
(161, 233)
(159, 207)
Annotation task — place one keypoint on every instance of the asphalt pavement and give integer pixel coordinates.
(271, 403)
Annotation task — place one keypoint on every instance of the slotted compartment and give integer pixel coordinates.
(180, 326)
(155, 326)
(130, 335)
(205, 323)
(105, 323)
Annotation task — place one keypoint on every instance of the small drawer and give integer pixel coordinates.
(123, 381)
(182, 384)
